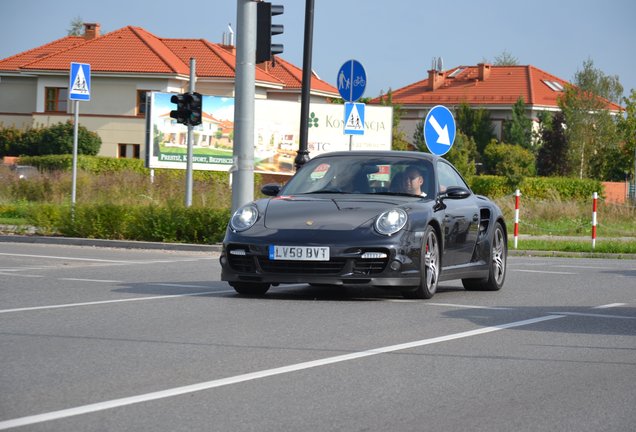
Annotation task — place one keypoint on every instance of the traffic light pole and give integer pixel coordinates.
(188, 197)
(303, 154)
(242, 170)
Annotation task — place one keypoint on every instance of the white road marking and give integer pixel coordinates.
(20, 275)
(90, 280)
(99, 260)
(543, 271)
(63, 258)
(611, 305)
(469, 306)
(207, 385)
(112, 301)
(179, 285)
(583, 267)
(596, 315)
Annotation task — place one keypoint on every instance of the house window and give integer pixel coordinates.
(130, 151)
(142, 96)
(56, 99)
(554, 85)
(456, 72)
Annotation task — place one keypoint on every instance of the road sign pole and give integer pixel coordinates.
(351, 83)
(75, 145)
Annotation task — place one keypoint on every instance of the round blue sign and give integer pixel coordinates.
(352, 80)
(439, 130)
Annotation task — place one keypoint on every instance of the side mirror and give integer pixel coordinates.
(455, 192)
(271, 189)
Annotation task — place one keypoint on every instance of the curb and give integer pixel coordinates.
(124, 244)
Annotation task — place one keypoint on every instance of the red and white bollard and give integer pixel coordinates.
(517, 195)
(595, 196)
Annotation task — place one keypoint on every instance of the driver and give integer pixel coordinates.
(413, 181)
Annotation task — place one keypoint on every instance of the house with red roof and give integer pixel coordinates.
(125, 65)
(494, 88)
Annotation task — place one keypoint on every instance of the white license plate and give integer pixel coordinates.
(299, 253)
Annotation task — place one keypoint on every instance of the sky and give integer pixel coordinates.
(395, 41)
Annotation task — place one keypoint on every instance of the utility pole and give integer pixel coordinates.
(242, 170)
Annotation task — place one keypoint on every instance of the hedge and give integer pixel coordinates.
(103, 164)
(175, 224)
(538, 187)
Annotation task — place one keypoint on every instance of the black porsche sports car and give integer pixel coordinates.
(350, 218)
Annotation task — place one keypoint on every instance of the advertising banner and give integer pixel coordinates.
(276, 133)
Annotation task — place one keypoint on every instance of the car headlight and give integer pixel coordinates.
(244, 217)
(391, 221)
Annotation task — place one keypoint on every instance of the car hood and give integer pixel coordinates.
(346, 213)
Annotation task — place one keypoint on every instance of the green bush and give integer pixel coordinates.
(538, 187)
(9, 136)
(55, 139)
(172, 223)
(46, 217)
(511, 161)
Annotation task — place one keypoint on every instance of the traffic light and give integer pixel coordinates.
(194, 107)
(181, 114)
(265, 50)
(189, 108)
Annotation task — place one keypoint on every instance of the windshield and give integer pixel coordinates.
(363, 174)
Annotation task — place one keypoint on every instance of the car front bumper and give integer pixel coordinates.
(395, 264)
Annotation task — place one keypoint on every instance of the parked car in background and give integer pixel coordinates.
(25, 171)
(402, 221)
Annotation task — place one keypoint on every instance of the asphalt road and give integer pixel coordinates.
(105, 339)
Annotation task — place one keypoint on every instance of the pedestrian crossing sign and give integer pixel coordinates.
(354, 118)
(80, 82)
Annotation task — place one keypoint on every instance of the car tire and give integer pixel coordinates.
(430, 262)
(497, 268)
(250, 289)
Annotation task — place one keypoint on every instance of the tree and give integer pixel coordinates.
(591, 132)
(58, 139)
(399, 141)
(77, 25)
(508, 160)
(475, 124)
(418, 137)
(518, 130)
(463, 155)
(626, 126)
(552, 156)
(506, 59)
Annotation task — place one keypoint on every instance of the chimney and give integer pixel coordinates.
(484, 71)
(228, 40)
(435, 79)
(91, 31)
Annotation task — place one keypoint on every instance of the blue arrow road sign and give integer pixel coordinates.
(80, 82)
(439, 130)
(354, 118)
(352, 80)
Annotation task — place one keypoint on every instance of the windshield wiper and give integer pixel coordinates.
(325, 191)
(399, 194)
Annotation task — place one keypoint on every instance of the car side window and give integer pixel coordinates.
(447, 177)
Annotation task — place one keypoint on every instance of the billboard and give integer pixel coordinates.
(276, 133)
